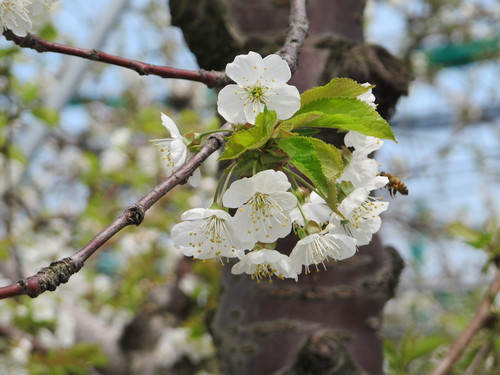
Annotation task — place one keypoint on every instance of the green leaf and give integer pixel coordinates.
(474, 237)
(335, 88)
(252, 138)
(48, 32)
(341, 113)
(48, 115)
(320, 162)
(424, 346)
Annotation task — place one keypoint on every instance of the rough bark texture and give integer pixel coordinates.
(271, 328)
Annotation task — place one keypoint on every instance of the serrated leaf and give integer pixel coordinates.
(252, 138)
(337, 87)
(341, 113)
(320, 162)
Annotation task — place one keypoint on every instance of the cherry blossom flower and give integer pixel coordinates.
(361, 213)
(205, 233)
(316, 248)
(259, 82)
(173, 150)
(264, 264)
(314, 209)
(263, 206)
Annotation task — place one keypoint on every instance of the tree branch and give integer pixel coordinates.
(211, 78)
(480, 319)
(59, 272)
(298, 27)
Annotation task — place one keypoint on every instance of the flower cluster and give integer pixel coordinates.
(328, 205)
(16, 14)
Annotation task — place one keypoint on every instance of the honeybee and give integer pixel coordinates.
(395, 185)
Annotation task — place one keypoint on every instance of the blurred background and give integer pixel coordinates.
(74, 132)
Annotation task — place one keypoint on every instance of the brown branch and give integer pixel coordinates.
(298, 27)
(59, 272)
(480, 319)
(211, 78)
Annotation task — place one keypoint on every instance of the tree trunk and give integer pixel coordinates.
(328, 322)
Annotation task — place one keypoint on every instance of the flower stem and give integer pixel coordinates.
(294, 176)
(222, 186)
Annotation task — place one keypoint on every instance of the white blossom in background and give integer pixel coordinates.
(21, 352)
(316, 248)
(264, 264)
(263, 204)
(205, 233)
(178, 342)
(368, 96)
(173, 150)
(114, 157)
(315, 209)
(15, 14)
(260, 82)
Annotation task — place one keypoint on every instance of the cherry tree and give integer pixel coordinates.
(295, 210)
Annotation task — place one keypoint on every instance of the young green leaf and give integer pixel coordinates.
(252, 138)
(337, 87)
(341, 113)
(320, 162)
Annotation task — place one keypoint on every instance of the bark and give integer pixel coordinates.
(271, 328)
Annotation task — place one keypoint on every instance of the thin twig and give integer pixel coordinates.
(211, 78)
(483, 313)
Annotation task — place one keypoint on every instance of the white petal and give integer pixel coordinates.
(284, 199)
(270, 181)
(239, 193)
(264, 224)
(195, 178)
(251, 109)
(376, 182)
(366, 230)
(360, 170)
(345, 246)
(230, 103)
(368, 96)
(275, 68)
(363, 144)
(196, 214)
(353, 201)
(285, 100)
(315, 209)
(168, 123)
(245, 69)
